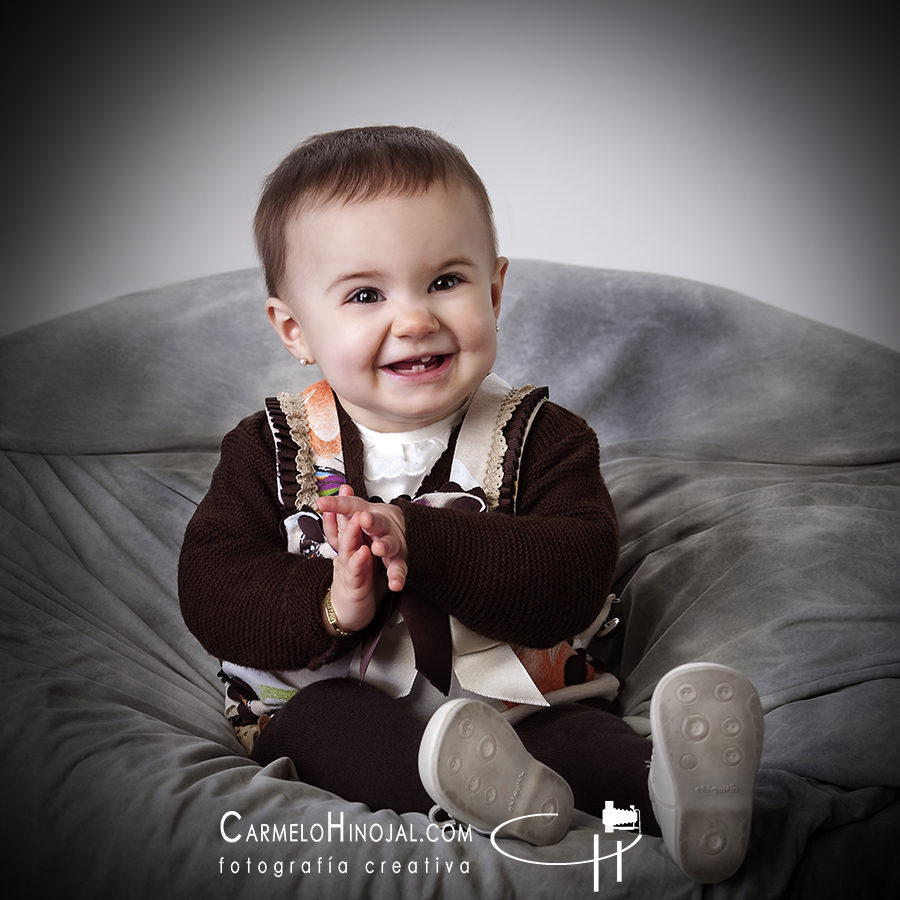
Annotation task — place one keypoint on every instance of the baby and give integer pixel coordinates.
(401, 566)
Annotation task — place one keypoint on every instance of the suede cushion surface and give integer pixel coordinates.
(754, 460)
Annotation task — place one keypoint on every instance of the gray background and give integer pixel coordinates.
(750, 145)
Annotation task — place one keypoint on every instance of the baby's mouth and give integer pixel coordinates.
(420, 364)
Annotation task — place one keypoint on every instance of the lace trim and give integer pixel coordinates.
(493, 474)
(294, 410)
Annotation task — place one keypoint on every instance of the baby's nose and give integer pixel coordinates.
(414, 320)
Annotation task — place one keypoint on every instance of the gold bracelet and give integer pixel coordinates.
(332, 618)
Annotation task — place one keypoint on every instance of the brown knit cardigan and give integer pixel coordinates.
(533, 578)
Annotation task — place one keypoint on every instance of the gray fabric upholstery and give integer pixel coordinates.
(753, 459)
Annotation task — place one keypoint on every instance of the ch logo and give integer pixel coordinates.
(613, 820)
(620, 819)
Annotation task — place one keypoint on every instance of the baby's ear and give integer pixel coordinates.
(498, 279)
(288, 329)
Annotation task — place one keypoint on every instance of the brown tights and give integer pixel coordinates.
(355, 741)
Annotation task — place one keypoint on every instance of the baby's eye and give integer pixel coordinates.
(444, 283)
(365, 295)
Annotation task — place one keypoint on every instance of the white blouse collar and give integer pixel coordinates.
(396, 462)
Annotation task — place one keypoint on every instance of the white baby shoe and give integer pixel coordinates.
(475, 768)
(707, 739)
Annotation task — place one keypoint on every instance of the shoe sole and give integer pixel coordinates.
(708, 729)
(474, 766)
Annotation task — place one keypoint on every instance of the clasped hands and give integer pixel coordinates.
(370, 542)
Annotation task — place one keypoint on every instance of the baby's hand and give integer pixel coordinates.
(382, 523)
(356, 589)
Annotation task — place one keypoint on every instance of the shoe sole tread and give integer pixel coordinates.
(474, 766)
(707, 724)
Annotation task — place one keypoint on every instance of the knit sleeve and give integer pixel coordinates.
(535, 578)
(243, 596)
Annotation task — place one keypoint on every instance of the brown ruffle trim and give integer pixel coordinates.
(515, 432)
(285, 454)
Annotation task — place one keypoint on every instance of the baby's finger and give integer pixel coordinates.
(344, 505)
(380, 525)
(351, 537)
(387, 547)
(358, 565)
(396, 572)
(330, 527)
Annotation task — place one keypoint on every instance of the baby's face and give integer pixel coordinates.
(396, 299)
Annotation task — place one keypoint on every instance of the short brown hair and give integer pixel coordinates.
(356, 164)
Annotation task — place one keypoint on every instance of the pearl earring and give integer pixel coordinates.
(304, 361)
(498, 326)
